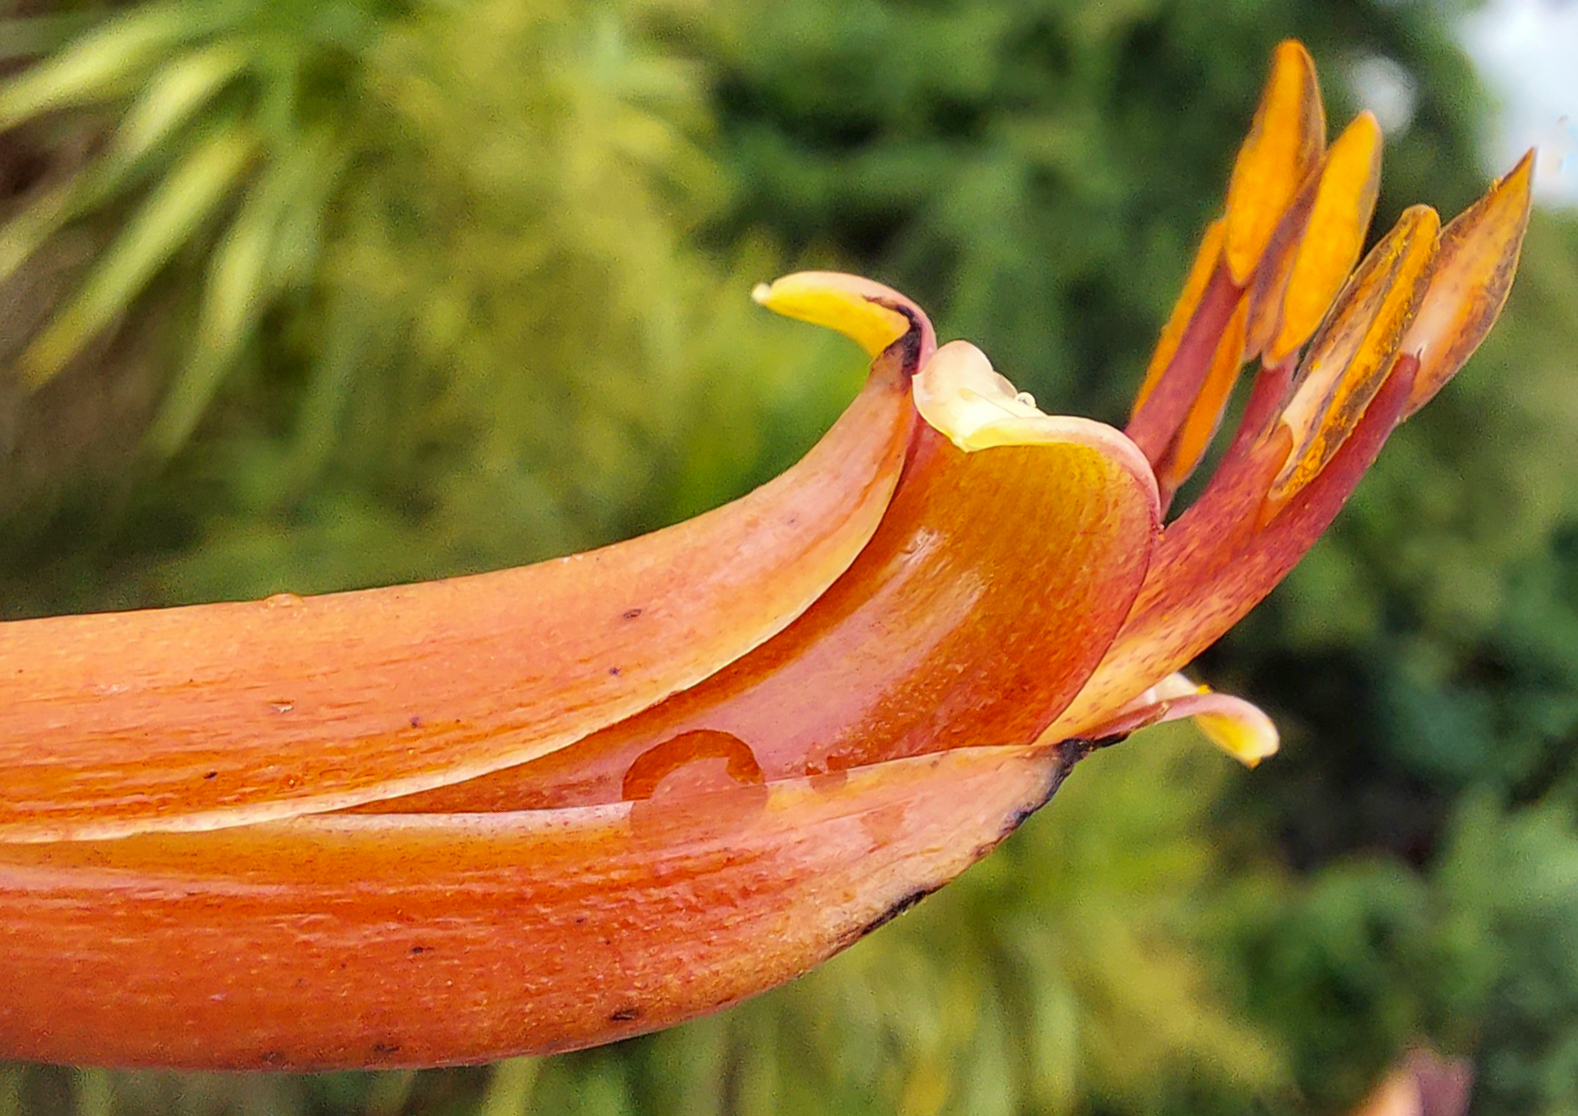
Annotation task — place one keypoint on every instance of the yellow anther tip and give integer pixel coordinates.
(1352, 355)
(1333, 235)
(845, 303)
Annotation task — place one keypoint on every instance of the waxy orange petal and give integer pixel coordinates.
(221, 714)
(1218, 560)
(989, 593)
(1472, 277)
(415, 940)
(1284, 146)
(1333, 236)
(1349, 358)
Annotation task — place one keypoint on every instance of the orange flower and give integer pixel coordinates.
(551, 807)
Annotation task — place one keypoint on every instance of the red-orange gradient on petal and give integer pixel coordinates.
(211, 715)
(1403, 322)
(937, 637)
(423, 939)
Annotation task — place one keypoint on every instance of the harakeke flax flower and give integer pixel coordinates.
(552, 807)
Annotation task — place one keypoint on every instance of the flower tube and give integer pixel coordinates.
(552, 807)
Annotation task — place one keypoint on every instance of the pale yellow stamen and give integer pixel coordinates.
(961, 396)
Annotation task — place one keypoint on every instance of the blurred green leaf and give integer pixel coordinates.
(105, 61)
(186, 198)
(171, 98)
(249, 266)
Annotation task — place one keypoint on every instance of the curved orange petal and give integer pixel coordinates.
(342, 941)
(1472, 278)
(1219, 559)
(220, 714)
(987, 596)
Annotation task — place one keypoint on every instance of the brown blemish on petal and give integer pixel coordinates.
(895, 910)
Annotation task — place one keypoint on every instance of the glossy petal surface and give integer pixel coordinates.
(219, 714)
(415, 940)
(605, 794)
(982, 603)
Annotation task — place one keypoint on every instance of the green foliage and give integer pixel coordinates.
(1479, 953)
(1035, 172)
(501, 347)
(221, 139)
(1509, 881)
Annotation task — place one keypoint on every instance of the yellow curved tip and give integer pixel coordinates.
(858, 308)
(1239, 729)
(1285, 143)
(1333, 236)
(1236, 726)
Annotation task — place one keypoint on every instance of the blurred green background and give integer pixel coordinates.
(314, 294)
